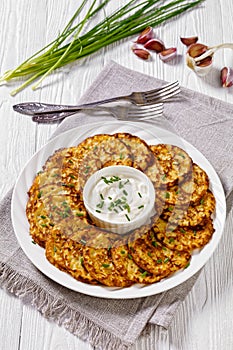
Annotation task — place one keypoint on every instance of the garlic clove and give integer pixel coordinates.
(205, 62)
(155, 45)
(195, 50)
(145, 35)
(189, 41)
(168, 54)
(227, 77)
(141, 53)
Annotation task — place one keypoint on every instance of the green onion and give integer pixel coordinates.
(79, 40)
(139, 194)
(141, 206)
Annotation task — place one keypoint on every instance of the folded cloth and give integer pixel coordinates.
(110, 324)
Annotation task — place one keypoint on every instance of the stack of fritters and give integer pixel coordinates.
(59, 221)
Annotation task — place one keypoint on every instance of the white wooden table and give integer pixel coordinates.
(204, 321)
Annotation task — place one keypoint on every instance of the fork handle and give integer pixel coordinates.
(56, 116)
(33, 108)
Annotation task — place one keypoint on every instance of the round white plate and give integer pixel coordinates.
(152, 135)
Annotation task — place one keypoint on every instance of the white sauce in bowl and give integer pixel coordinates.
(119, 198)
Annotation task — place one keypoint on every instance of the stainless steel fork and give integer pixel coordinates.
(127, 112)
(136, 98)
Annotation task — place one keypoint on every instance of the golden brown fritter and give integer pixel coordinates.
(192, 215)
(98, 261)
(125, 263)
(154, 257)
(175, 163)
(182, 238)
(64, 248)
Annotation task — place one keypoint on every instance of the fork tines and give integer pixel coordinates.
(146, 111)
(168, 91)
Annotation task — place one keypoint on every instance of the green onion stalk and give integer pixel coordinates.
(72, 45)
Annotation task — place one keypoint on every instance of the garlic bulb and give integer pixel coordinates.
(199, 57)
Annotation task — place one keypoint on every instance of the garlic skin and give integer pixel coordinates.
(154, 45)
(145, 35)
(189, 41)
(168, 54)
(227, 77)
(141, 53)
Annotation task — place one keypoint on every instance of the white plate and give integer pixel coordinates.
(152, 135)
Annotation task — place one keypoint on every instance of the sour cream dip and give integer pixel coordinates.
(119, 198)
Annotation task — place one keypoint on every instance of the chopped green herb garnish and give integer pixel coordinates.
(43, 217)
(171, 240)
(105, 265)
(98, 211)
(154, 243)
(127, 207)
(121, 156)
(164, 177)
(166, 260)
(79, 214)
(82, 241)
(144, 274)
(159, 261)
(123, 252)
(181, 155)
(39, 194)
(141, 206)
(110, 198)
(121, 185)
(87, 169)
(187, 265)
(139, 194)
(125, 192)
(101, 196)
(130, 256)
(54, 249)
(167, 195)
(149, 254)
(33, 242)
(127, 217)
(100, 205)
(202, 201)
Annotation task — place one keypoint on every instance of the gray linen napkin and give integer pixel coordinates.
(116, 324)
